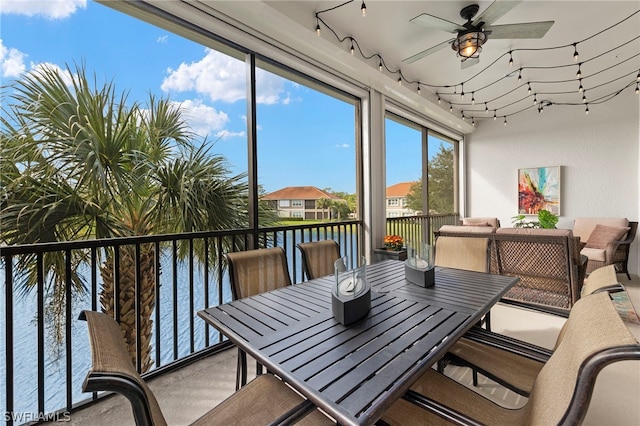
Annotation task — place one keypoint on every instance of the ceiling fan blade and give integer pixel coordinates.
(431, 21)
(469, 63)
(429, 51)
(523, 30)
(495, 11)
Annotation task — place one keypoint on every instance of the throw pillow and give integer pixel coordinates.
(602, 235)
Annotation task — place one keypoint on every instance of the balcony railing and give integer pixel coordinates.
(420, 228)
(44, 374)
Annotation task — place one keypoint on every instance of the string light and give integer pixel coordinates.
(586, 110)
(510, 52)
(486, 108)
(505, 121)
(419, 91)
(473, 122)
(363, 8)
(463, 117)
(584, 98)
(535, 99)
(495, 117)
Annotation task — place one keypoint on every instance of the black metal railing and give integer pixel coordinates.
(420, 228)
(183, 283)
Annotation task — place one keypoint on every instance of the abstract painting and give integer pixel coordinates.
(539, 189)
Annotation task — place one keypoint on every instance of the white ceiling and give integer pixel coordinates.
(386, 30)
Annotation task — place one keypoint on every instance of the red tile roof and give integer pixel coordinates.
(399, 189)
(299, 193)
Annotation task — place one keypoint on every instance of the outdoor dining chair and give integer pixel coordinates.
(318, 258)
(594, 337)
(471, 254)
(514, 363)
(253, 272)
(264, 399)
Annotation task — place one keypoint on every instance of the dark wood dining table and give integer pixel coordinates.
(354, 373)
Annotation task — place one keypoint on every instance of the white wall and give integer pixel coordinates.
(599, 155)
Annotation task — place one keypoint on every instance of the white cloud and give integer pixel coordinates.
(343, 145)
(11, 61)
(64, 73)
(162, 39)
(52, 9)
(226, 134)
(202, 118)
(222, 78)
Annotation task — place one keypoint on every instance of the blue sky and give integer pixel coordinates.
(304, 137)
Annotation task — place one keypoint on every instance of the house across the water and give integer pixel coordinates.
(306, 202)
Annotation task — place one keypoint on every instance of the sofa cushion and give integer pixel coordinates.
(594, 254)
(476, 224)
(603, 235)
(536, 231)
(467, 229)
(583, 226)
(480, 221)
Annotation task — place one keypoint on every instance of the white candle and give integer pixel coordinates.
(421, 263)
(349, 286)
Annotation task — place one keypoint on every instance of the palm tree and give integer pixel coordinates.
(323, 204)
(78, 162)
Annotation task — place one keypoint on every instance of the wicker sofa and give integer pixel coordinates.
(547, 261)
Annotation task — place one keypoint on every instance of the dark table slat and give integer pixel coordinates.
(387, 373)
(324, 358)
(276, 344)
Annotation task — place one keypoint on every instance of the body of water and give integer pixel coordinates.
(25, 330)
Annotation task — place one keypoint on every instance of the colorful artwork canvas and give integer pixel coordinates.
(539, 189)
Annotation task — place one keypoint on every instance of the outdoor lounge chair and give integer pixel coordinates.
(253, 272)
(593, 338)
(265, 398)
(318, 258)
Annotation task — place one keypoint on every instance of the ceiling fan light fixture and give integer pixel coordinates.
(468, 44)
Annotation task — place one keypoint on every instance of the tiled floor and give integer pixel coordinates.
(191, 391)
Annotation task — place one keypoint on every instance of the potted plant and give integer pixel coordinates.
(546, 220)
(393, 249)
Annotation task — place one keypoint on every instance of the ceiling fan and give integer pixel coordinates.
(475, 32)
